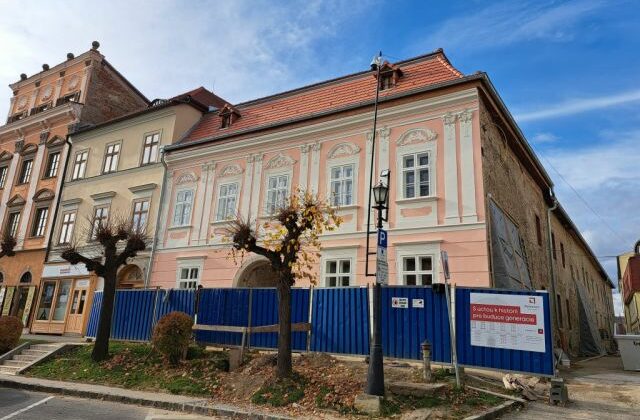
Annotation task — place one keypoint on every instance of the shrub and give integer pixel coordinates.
(10, 332)
(172, 336)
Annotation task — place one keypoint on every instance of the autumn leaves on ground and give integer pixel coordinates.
(322, 385)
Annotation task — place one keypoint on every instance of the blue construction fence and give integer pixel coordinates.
(339, 318)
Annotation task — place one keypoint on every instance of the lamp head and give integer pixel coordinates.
(380, 194)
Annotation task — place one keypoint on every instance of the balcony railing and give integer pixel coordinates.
(74, 97)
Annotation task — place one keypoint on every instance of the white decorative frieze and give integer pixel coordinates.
(280, 161)
(416, 136)
(231, 170)
(343, 149)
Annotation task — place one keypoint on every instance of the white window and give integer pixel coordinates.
(100, 218)
(337, 272)
(188, 277)
(52, 165)
(66, 231)
(277, 192)
(342, 185)
(12, 223)
(3, 175)
(227, 198)
(182, 209)
(415, 175)
(80, 165)
(140, 215)
(150, 152)
(40, 221)
(25, 171)
(417, 270)
(111, 158)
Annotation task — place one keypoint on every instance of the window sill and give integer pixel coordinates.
(179, 227)
(416, 199)
(349, 207)
(221, 222)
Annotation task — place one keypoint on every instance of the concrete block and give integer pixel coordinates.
(415, 389)
(369, 404)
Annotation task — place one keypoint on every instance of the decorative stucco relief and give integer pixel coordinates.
(186, 178)
(343, 149)
(280, 161)
(416, 135)
(231, 170)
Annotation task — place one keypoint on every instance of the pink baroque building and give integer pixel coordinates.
(244, 158)
(463, 180)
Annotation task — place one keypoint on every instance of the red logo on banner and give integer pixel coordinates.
(501, 313)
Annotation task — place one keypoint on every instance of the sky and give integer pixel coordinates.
(567, 70)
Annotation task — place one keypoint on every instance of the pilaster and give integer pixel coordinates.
(315, 167)
(467, 171)
(451, 212)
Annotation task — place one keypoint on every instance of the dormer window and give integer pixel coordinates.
(228, 115)
(389, 75)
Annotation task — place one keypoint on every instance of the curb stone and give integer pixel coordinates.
(496, 411)
(195, 407)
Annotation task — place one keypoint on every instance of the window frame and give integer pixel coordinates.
(39, 227)
(416, 169)
(110, 155)
(107, 207)
(9, 224)
(175, 206)
(4, 174)
(189, 264)
(151, 135)
(279, 174)
(226, 197)
(21, 173)
(67, 227)
(82, 164)
(339, 274)
(430, 147)
(418, 272)
(47, 166)
(341, 182)
(340, 253)
(134, 203)
(427, 248)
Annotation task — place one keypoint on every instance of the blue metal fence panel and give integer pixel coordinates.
(223, 307)
(404, 329)
(133, 312)
(340, 320)
(264, 311)
(495, 358)
(94, 315)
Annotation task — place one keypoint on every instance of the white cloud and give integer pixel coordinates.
(246, 49)
(508, 22)
(544, 138)
(577, 106)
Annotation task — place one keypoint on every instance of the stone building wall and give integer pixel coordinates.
(510, 185)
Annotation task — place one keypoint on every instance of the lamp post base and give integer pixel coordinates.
(375, 375)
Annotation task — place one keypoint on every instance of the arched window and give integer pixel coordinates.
(26, 277)
(1, 278)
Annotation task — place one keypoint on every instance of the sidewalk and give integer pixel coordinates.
(54, 338)
(128, 396)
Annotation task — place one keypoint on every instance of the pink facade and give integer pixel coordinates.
(430, 144)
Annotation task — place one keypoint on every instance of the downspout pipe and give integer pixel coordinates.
(58, 199)
(156, 228)
(552, 269)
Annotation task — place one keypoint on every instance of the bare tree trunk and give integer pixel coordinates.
(284, 336)
(101, 347)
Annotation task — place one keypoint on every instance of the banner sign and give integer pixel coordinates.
(507, 321)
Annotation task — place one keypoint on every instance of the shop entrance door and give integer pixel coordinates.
(75, 319)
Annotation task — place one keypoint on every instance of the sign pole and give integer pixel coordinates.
(452, 332)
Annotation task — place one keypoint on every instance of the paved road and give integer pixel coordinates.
(27, 405)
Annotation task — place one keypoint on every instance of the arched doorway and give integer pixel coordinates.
(130, 277)
(255, 272)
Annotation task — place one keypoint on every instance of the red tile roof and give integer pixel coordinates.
(325, 96)
(204, 96)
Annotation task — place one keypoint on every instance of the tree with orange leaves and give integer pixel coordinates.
(290, 241)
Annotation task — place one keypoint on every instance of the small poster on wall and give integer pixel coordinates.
(507, 321)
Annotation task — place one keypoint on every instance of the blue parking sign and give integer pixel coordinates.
(382, 238)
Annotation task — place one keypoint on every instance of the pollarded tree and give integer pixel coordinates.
(290, 241)
(113, 243)
(7, 245)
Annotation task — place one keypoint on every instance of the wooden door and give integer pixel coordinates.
(75, 319)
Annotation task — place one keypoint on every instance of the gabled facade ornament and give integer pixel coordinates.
(343, 149)
(280, 161)
(466, 115)
(16, 201)
(449, 118)
(186, 178)
(4, 156)
(231, 170)
(44, 194)
(415, 136)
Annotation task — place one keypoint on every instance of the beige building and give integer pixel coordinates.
(115, 170)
